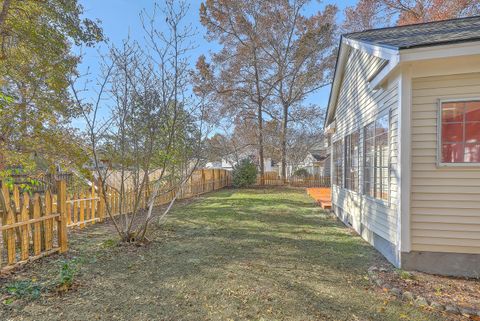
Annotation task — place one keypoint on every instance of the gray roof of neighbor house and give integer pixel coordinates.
(319, 157)
(319, 154)
(421, 35)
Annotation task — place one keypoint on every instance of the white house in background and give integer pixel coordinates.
(228, 163)
(214, 164)
(404, 123)
(317, 163)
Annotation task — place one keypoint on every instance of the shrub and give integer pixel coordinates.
(244, 173)
(301, 172)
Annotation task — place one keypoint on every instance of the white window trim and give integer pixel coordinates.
(334, 169)
(379, 201)
(439, 133)
(389, 167)
(358, 132)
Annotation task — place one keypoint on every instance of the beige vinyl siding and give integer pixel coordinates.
(445, 201)
(358, 105)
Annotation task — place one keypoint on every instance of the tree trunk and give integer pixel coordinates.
(3, 32)
(260, 144)
(3, 13)
(284, 142)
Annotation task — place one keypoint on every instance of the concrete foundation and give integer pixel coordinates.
(452, 264)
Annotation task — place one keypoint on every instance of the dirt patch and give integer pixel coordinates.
(463, 293)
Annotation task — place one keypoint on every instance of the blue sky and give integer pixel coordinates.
(120, 18)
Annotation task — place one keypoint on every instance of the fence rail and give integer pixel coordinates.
(88, 207)
(36, 226)
(31, 227)
(272, 179)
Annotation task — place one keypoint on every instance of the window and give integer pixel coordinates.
(376, 158)
(351, 161)
(337, 163)
(460, 132)
(369, 149)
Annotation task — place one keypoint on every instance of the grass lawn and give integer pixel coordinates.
(232, 255)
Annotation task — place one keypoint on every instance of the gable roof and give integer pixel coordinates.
(319, 156)
(394, 39)
(420, 35)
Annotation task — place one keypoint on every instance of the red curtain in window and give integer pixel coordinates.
(461, 132)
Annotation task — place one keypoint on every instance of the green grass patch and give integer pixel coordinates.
(235, 254)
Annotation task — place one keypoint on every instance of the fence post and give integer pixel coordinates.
(62, 209)
(213, 179)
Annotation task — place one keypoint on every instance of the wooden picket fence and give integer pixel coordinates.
(36, 226)
(85, 207)
(273, 179)
(88, 207)
(32, 227)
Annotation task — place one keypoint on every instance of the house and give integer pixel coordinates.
(317, 163)
(228, 162)
(404, 123)
(315, 159)
(214, 164)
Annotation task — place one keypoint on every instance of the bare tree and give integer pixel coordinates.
(369, 14)
(231, 143)
(154, 131)
(273, 55)
(302, 51)
(244, 75)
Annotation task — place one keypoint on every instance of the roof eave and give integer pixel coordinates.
(342, 55)
(346, 44)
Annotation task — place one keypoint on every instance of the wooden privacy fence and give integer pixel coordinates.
(273, 179)
(34, 226)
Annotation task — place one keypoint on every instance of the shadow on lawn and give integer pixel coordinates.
(229, 256)
(321, 278)
(318, 271)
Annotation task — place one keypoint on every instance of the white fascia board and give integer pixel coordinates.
(330, 129)
(371, 49)
(424, 53)
(390, 54)
(337, 81)
(441, 51)
(392, 65)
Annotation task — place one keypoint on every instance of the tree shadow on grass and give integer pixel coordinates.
(245, 258)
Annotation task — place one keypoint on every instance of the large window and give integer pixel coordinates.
(351, 161)
(460, 132)
(337, 163)
(376, 158)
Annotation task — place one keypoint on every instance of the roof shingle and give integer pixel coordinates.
(421, 35)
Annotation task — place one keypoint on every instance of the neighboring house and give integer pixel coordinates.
(228, 163)
(316, 163)
(271, 165)
(404, 123)
(214, 164)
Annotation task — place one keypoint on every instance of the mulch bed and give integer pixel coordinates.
(460, 295)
